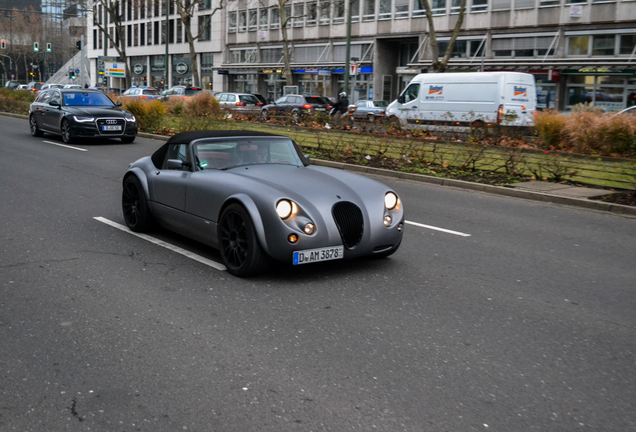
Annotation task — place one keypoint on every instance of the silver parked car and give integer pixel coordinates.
(254, 196)
(240, 102)
(368, 109)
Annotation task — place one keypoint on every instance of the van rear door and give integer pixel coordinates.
(520, 100)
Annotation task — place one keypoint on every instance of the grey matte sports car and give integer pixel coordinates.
(253, 196)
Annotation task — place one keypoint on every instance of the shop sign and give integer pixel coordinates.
(576, 11)
(138, 69)
(181, 68)
(554, 75)
(222, 72)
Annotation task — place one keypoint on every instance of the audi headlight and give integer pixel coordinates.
(391, 200)
(83, 119)
(285, 208)
(130, 118)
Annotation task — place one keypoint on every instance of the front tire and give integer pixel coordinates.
(135, 207)
(67, 136)
(33, 125)
(240, 249)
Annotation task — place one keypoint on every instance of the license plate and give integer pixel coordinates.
(320, 109)
(317, 255)
(111, 128)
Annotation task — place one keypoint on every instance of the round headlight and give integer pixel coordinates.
(284, 209)
(310, 228)
(390, 200)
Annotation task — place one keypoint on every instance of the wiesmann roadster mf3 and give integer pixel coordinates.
(254, 197)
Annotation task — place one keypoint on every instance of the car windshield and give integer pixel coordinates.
(150, 92)
(86, 99)
(191, 91)
(230, 153)
(380, 104)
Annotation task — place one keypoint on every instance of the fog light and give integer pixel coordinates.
(292, 238)
(387, 220)
(400, 227)
(310, 228)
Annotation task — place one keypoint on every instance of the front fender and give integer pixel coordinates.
(252, 209)
(141, 175)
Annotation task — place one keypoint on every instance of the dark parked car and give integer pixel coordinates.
(254, 196)
(180, 91)
(367, 109)
(294, 106)
(260, 98)
(80, 113)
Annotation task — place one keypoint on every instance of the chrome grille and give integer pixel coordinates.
(350, 223)
(111, 122)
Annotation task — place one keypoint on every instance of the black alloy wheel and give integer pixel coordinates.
(135, 207)
(67, 136)
(240, 249)
(35, 131)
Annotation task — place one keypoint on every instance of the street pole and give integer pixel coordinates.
(348, 50)
(105, 44)
(167, 36)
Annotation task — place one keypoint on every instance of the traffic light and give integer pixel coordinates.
(48, 47)
(72, 74)
(36, 46)
(78, 44)
(3, 44)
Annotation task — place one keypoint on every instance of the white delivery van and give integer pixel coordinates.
(457, 101)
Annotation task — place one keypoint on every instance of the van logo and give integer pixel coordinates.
(521, 91)
(435, 90)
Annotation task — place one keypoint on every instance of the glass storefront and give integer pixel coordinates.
(244, 83)
(610, 92)
(157, 71)
(181, 69)
(139, 71)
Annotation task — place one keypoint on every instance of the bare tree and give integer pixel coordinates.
(186, 10)
(437, 65)
(115, 12)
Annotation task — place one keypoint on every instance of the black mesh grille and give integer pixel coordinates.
(349, 220)
(111, 122)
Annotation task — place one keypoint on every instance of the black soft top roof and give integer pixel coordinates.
(186, 137)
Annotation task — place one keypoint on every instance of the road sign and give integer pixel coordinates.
(76, 71)
(115, 69)
(353, 69)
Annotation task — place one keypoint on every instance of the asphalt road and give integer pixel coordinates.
(527, 323)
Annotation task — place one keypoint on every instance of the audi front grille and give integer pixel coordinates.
(108, 126)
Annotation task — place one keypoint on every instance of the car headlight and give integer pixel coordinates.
(391, 200)
(82, 119)
(131, 118)
(285, 208)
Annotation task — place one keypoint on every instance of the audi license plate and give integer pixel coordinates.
(320, 254)
(111, 128)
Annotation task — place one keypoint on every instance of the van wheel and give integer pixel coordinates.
(394, 122)
(478, 131)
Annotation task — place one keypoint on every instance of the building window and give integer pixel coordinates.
(438, 7)
(271, 55)
(355, 10)
(385, 10)
(455, 5)
(231, 22)
(263, 19)
(299, 13)
(603, 45)
(325, 8)
(627, 44)
(156, 33)
(550, 3)
(149, 34)
(578, 45)
(156, 12)
(502, 47)
(479, 6)
(368, 10)
(242, 20)
(205, 21)
(402, 8)
(136, 35)
(275, 18)
(339, 11)
(252, 20)
(129, 35)
(312, 13)
(525, 4)
(179, 31)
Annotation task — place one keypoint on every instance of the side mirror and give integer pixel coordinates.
(176, 164)
(54, 103)
(118, 103)
(401, 99)
(308, 159)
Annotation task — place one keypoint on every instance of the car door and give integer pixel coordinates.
(54, 113)
(39, 107)
(169, 184)
(409, 109)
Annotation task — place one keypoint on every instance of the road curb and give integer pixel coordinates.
(618, 209)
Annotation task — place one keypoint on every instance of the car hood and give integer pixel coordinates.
(318, 186)
(96, 111)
